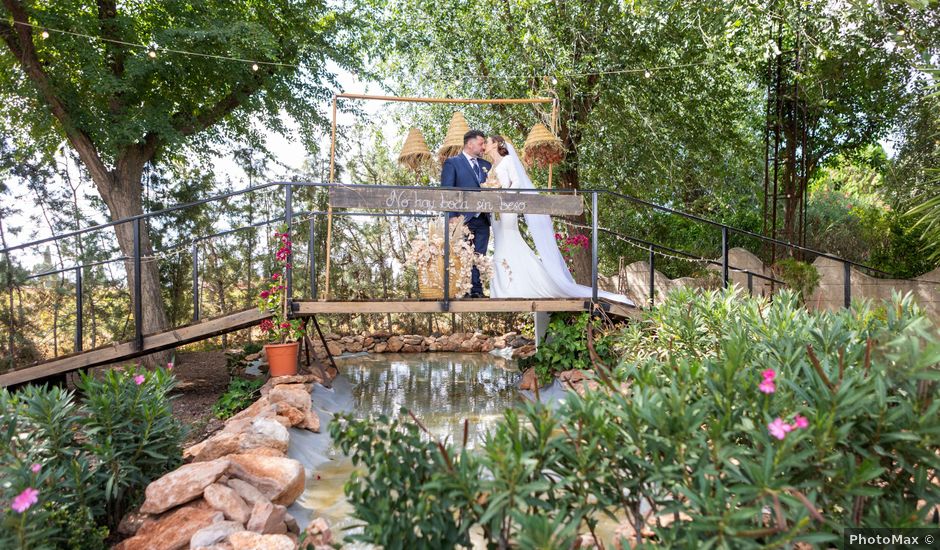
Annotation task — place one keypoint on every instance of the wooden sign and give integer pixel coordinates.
(446, 199)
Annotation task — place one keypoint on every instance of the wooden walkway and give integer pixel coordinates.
(303, 308)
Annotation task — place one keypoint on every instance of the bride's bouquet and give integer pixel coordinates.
(427, 255)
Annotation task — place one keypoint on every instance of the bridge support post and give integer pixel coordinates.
(750, 283)
(138, 291)
(594, 247)
(195, 255)
(652, 276)
(78, 309)
(541, 319)
(724, 255)
(847, 284)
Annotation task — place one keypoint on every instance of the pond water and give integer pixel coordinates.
(442, 389)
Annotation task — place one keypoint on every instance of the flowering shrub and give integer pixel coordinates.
(425, 252)
(730, 423)
(273, 299)
(569, 244)
(70, 471)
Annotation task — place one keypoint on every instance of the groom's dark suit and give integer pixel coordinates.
(459, 172)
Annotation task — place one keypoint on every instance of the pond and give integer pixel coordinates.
(442, 389)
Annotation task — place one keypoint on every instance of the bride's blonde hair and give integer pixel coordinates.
(500, 145)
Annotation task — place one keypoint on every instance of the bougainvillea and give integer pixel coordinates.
(273, 298)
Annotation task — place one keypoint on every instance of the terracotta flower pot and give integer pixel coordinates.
(282, 358)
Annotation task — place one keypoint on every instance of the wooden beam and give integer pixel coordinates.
(442, 199)
(456, 101)
(125, 350)
(304, 308)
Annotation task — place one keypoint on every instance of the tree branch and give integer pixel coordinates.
(19, 40)
(188, 126)
(107, 14)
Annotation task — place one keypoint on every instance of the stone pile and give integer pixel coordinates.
(234, 492)
(384, 342)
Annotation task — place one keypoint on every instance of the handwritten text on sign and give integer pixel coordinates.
(454, 200)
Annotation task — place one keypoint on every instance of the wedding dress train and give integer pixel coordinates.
(517, 271)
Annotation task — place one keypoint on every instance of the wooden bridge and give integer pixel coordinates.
(364, 198)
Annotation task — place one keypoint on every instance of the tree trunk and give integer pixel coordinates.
(122, 193)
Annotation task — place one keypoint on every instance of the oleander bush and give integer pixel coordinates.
(565, 346)
(730, 422)
(71, 468)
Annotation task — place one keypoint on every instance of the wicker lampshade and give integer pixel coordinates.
(542, 147)
(453, 141)
(415, 153)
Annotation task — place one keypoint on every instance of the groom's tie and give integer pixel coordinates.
(476, 170)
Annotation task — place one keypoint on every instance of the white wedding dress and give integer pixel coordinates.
(517, 271)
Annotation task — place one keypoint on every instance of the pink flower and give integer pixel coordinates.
(139, 379)
(778, 428)
(35, 468)
(767, 386)
(769, 374)
(285, 324)
(275, 276)
(557, 235)
(169, 366)
(265, 294)
(800, 421)
(24, 500)
(267, 325)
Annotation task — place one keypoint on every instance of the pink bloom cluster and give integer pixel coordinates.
(779, 429)
(767, 385)
(283, 253)
(267, 325)
(139, 379)
(25, 500)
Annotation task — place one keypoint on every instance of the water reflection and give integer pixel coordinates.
(441, 389)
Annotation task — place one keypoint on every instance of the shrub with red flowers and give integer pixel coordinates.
(273, 299)
(569, 244)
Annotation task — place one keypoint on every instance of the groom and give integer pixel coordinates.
(468, 170)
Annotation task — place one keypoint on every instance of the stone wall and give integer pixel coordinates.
(925, 289)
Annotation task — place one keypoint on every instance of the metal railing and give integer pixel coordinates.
(289, 215)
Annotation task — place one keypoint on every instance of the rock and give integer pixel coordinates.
(318, 533)
(172, 531)
(413, 339)
(291, 523)
(487, 346)
(217, 446)
(410, 348)
(281, 480)
(311, 422)
(367, 341)
(381, 335)
(528, 380)
(253, 357)
(525, 351)
(294, 395)
(253, 410)
(264, 451)
(572, 376)
(247, 491)
(499, 343)
(217, 546)
(354, 347)
(381, 347)
(266, 432)
(182, 485)
(293, 415)
(224, 499)
(217, 532)
(293, 379)
(266, 517)
(334, 348)
(246, 540)
(131, 523)
(394, 344)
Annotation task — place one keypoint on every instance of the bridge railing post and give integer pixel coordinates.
(750, 283)
(312, 255)
(195, 255)
(652, 276)
(79, 337)
(594, 222)
(288, 220)
(138, 290)
(446, 261)
(724, 255)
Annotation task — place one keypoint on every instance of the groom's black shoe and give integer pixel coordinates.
(478, 295)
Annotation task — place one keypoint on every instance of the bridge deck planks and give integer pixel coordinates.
(243, 319)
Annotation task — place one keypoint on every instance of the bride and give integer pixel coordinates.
(517, 271)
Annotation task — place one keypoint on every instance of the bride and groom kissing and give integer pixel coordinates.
(517, 271)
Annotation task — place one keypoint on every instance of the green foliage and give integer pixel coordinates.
(801, 277)
(252, 347)
(680, 442)
(565, 347)
(94, 458)
(241, 392)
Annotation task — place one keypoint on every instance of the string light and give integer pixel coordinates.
(152, 53)
(45, 34)
(647, 73)
(254, 66)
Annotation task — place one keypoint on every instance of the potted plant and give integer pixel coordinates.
(285, 333)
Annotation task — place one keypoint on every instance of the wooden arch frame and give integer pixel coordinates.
(456, 101)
